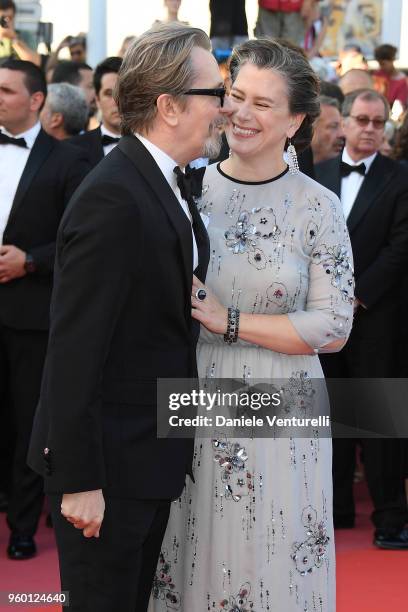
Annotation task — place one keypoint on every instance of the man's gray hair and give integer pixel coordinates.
(329, 101)
(368, 95)
(157, 62)
(71, 103)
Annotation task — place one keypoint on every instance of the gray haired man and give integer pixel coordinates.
(65, 113)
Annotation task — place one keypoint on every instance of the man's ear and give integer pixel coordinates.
(295, 124)
(56, 120)
(169, 109)
(37, 100)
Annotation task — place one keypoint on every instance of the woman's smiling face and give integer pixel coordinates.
(260, 120)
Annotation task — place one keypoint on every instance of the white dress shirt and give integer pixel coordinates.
(350, 185)
(167, 165)
(12, 163)
(105, 132)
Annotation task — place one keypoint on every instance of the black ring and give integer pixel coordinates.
(201, 294)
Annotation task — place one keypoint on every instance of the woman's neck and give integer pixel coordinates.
(253, 170)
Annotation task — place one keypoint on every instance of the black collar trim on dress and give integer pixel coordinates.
(275, 178)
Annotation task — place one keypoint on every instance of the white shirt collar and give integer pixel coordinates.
(367, 161)
(164, 161)
(29, 135)
(106, 132)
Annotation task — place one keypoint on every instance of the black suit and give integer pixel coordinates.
(51, 174)
(378, 226)
(121, 318)
(91, 142)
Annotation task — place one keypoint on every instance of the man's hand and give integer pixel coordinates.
(85, 511)
(357, 304)
(12, 260)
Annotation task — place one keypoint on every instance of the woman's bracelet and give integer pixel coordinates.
(232, 326)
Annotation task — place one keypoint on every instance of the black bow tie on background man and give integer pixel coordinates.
(346, 169)
(190, 183)
(108, 140)
(18, 142)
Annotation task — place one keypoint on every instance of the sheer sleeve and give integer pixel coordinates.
(328, 314)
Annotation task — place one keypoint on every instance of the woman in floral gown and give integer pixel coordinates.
(255, 533)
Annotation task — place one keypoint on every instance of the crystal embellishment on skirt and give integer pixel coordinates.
(232, 457)
(240, 602)
(163, 586)
(309, 555)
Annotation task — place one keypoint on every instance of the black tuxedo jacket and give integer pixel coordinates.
(378, 226)
(91, 142)
(53, 171)
(120, 318)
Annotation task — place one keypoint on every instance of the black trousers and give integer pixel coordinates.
(22, 355)
(6, 430)
(115, 571)
(383, 458)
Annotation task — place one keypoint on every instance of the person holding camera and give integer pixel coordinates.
(11, 45)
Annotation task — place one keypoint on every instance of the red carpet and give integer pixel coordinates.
(368, 579)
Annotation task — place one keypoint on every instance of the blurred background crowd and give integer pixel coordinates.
(344, 42)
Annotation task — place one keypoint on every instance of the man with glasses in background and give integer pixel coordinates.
(374, 193)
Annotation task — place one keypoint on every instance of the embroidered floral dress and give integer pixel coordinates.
(255, 532)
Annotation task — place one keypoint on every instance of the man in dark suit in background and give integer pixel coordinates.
(100, 141)
(121, 318)
(79, 75)
(374, 193)
(37, 177)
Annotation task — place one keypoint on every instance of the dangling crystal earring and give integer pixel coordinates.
(292, 159)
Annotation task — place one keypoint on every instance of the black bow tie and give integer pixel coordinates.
(108, 140)
(190, 183)
(18, 142)
(346, 169)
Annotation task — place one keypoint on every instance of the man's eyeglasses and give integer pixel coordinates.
(363, 121)
(218, 92)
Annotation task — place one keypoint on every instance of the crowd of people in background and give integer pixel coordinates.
(64, 111)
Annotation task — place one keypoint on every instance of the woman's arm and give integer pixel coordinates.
(324, 324)
(274, 332)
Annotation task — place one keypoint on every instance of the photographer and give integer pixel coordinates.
(11, 44)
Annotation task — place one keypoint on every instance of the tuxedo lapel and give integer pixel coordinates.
(145, 163)
(97, 152)
(373, 184)
(39, 153)
(328, 174)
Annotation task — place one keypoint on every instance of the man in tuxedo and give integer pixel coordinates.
(103, 139)
(79, 75)
(121, 318)
(37, 177)
(374, 193)
(65, 112)
(328, 137)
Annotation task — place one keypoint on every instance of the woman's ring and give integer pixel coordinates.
(201, 294)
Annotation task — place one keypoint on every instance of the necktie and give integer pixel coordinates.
(190, 183)
(108, 140)
(346, 169)
(18, 142)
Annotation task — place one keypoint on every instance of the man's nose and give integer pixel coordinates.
(340, 132)
(227, 108)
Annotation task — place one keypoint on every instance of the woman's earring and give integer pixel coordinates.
(292, 159)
